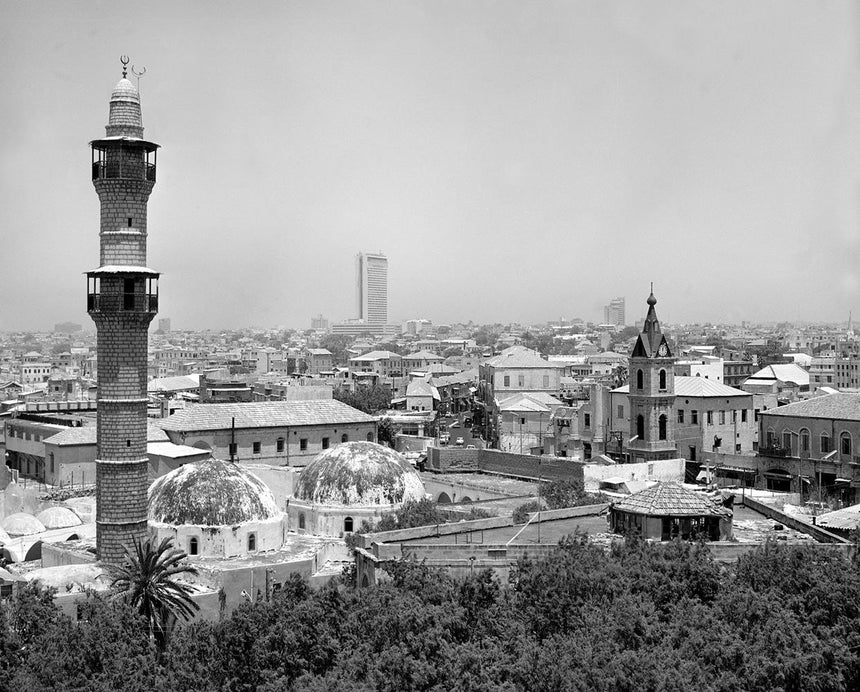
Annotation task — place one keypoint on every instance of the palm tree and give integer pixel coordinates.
(145, 581)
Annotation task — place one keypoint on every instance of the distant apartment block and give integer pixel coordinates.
(614, 312)
(319, 323)
(164, 325)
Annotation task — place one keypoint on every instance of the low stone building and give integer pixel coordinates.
(668, 510)
(281, 433)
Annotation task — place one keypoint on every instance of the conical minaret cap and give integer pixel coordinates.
(125, 119)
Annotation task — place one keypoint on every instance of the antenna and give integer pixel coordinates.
(138, 75)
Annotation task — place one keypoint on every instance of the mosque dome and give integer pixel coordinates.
(125, 91)
(22, 524)
(359, 474)
(58, 518)
(211, 493)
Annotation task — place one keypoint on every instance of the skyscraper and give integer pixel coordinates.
(371, 279)
(614, 312)
(122, 299)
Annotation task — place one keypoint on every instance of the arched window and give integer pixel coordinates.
(192, 546)
(804, 440)
(640, 427)
(662, 423)
(370, 437)
(845, 443)
(662, 379)
(825, 443)
(347, 525)
(344, 438)
(640, 378)
(252, 542)
(302, 521)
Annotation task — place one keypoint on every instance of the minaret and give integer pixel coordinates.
(652, 393)
(122, 299)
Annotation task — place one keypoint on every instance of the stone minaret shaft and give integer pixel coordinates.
(122, 300)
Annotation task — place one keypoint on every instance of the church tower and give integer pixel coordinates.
(122, 299)
(652, 393)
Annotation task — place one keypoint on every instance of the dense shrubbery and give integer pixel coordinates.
(557, 495)
(638, 617)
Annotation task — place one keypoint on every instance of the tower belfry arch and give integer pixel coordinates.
(122, 299)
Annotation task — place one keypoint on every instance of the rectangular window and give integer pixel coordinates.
(734, 416)
(709, 416)
(231, 449)
(743, 415)
(280, 444)
(325, 443)
(587, 420)
(507, 380)
(303, 444)
(546, 381)
(521, 380)
(680, 415)
(620, 411)
(755, 417)
(737, 449)
(694, 417)
(722, 417)
(522, 421)
(256, 447)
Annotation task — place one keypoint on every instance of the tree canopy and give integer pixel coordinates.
(638, 616)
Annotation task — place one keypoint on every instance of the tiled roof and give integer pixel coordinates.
(86, 435)
(520, 357)
(839, 406)
(319, 352)
(784, 372)
(168, 384)
(377, 355)
(264, 414)
(846, 518)
(697, 387)
(670, 499)
(423, 355)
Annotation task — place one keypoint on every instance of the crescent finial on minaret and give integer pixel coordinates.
(124, 59)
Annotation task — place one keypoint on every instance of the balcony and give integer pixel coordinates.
(774, 451)
(125, 302)
(130, 170)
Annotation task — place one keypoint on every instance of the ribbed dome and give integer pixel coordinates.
(210, 493)
(22, 524)
(359, 473)
(58, 518)
(125, 91)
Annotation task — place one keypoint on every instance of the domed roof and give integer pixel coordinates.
(22, 524)
(125, 91)
(210, 493)
(58, 518)
(359, 473)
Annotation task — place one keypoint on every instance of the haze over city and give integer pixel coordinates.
(515, 161)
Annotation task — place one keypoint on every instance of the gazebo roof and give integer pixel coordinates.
(670, 500)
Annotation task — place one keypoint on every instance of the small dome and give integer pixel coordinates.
(22, 524)
(359, 473)
(125, 91)
(210, 493)
(58, 518)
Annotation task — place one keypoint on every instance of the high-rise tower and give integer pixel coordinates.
(371, 275)
(652, 393)
(122, 299)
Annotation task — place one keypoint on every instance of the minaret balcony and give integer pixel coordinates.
(123, 158)
(114, 292)
(110, 170)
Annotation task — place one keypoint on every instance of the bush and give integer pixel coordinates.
(521, 513)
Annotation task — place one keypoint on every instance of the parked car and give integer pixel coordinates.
(459, 442)
(471, 447)
(444, 437)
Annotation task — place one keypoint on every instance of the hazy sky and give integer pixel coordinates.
(516, 161)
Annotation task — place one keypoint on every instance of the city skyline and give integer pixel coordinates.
(516, 165)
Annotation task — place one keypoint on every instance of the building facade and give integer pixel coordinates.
(614, 312)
